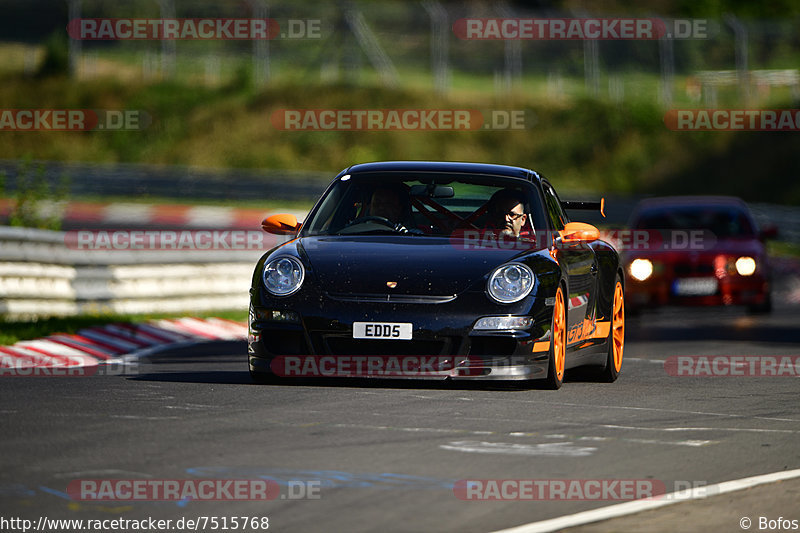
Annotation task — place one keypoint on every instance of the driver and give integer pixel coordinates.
(392, 204)
(506, 213)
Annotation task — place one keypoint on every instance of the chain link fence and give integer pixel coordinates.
(413, 45)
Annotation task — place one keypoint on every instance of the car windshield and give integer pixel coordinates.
(722, 221)
(417, 204)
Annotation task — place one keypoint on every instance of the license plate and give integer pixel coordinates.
(695, 286)
(382, 330)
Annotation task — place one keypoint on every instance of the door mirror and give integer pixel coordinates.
(579, 232)
(768, 232)
(282, 224)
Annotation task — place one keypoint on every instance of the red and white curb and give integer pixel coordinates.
(577, 301)
(112, 343)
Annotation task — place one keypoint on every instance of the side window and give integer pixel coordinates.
(557, 217)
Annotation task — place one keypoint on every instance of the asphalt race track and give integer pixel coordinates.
(384, 456)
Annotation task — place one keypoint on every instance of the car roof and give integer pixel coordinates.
(698, 201)
(668, 201)
(445, 166)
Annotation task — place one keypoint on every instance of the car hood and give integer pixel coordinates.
(419, 265)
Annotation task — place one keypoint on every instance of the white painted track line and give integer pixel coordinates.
(628, 508)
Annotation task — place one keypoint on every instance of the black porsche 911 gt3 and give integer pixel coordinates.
(437, 270)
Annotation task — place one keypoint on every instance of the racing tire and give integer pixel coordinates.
(616, 335)
(558, 343)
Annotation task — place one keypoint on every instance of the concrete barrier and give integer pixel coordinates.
(41, 276)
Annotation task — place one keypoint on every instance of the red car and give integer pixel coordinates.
(696, 250)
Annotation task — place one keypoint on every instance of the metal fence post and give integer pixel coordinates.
(439, 45)
(666, 54)
(513, 49)
(167, 45)
(740, 34)
(74, 44)
(261, 66)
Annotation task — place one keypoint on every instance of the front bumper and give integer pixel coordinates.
(731, 290)
(319, 341)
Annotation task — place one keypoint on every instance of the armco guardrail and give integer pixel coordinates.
(785, 217)
(40, 275)
(174, 181)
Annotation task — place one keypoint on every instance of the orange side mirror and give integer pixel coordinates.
(282, 224)
(579, 232)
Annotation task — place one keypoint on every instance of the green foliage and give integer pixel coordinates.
(32, 204)
(583, 144)
(742, 8)
(56, 56)
(243, 78)
(777, 248)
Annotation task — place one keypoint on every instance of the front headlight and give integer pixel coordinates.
(641, 269)
(283, 275)
(745, 266)
(510, 283)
